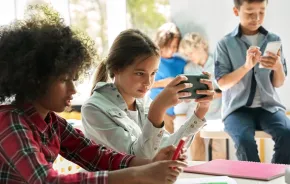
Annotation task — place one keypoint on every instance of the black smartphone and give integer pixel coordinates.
(196, 85)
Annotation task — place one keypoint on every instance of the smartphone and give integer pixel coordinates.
(272, 47)
(196, 85)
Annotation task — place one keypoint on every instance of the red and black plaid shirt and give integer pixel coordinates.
(29, 145)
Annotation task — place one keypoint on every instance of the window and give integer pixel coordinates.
(147, 15)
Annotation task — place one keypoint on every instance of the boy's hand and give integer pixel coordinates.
(253, 57)
(271, 61)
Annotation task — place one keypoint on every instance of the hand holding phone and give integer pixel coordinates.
(272, 47)
(196, 85)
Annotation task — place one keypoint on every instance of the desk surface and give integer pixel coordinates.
(280, 180)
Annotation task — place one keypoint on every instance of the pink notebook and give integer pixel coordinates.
(239, 169)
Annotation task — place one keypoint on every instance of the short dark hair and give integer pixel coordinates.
(166, 33)
(238, 3)
(34, 50)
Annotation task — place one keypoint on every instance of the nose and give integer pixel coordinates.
(256, 16)
(73, 88)
(147, 80)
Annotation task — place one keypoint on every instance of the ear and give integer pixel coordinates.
(236, 11)
(115, 72)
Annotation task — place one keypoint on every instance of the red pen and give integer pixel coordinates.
(178, 150)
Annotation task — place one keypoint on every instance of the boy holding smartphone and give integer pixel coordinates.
(249, 99)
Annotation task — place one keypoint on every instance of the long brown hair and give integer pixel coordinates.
(129, 45)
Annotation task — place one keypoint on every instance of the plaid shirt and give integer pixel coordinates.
(29, 145)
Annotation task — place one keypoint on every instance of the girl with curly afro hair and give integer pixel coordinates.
(40, 57)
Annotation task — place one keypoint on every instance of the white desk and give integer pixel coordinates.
(280, 180)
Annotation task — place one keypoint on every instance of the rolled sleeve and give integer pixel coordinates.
(190, 127)
(154, 134)
(221, 61)
(283, 61)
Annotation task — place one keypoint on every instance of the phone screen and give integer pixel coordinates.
(272, 47)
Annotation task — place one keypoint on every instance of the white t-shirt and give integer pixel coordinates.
(254, 40)
(134, 115)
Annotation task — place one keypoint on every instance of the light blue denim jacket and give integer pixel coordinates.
(106, 120)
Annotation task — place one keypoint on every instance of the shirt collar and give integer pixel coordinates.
(30, 112)
(110, 91)
(238, 31)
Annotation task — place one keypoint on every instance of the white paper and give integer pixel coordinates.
(217, 179)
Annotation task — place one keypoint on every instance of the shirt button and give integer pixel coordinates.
(195, 122)
(118, 96)
(126, 110)
(120, 114)
(192, 126)
(159, 135)
(155, 148)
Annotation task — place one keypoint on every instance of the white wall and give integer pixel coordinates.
(214, 19)
(116, 18)
(7, 12)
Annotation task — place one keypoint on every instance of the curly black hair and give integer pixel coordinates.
(37, 48)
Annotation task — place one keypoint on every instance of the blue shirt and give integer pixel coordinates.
(169, 67)
(230, 55)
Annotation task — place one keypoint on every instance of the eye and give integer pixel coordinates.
(139, 73)
(63, 79)
(153, 73)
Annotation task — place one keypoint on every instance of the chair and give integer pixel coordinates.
(215, 130)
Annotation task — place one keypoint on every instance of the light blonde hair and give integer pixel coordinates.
(190, 41)
(166, 33)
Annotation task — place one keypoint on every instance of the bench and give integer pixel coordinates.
(215, 130)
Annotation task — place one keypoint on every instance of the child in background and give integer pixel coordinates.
(167, 38)
(194, 48)
(40, 58)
